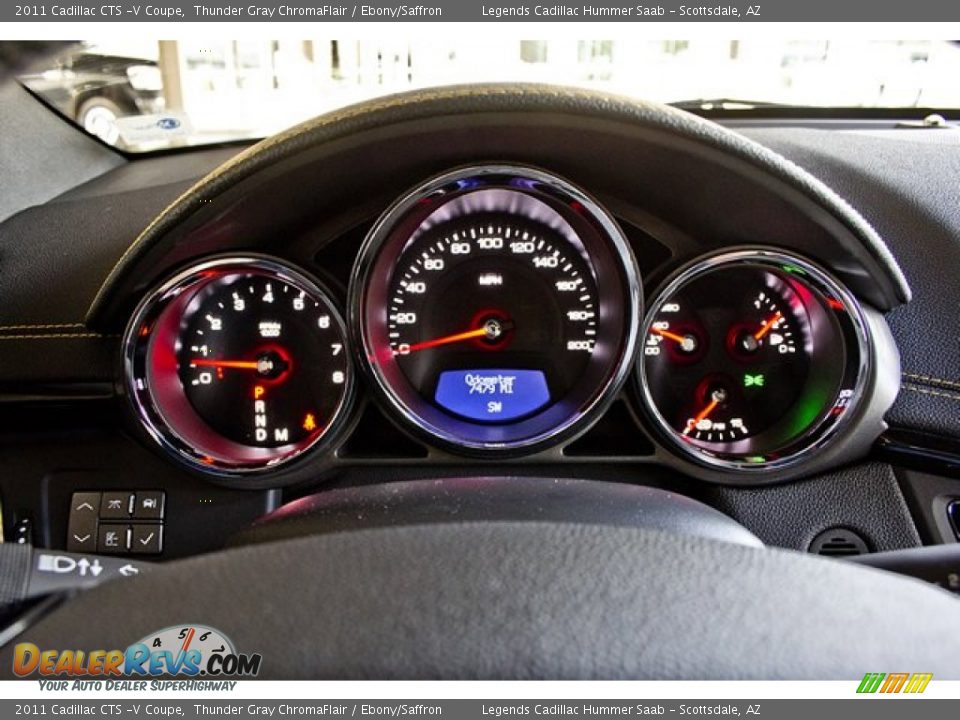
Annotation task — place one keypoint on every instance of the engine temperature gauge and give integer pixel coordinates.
(751, 358)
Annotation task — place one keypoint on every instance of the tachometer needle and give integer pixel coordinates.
(768, 325)
(232, 364)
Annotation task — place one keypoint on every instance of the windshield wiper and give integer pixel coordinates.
(725, 103)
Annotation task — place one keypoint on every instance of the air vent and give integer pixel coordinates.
(839, 542)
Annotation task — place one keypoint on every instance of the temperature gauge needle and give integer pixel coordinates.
(668, 335)
(687, 343)
(768, 325)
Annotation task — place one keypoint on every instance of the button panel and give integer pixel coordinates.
(117, 522)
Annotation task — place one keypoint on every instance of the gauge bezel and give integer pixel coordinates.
(823, 434)
(173, 295)
(405, 217)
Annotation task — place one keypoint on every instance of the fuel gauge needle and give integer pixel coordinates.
(717, 397)
(768, 325)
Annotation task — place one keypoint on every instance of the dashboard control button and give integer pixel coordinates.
(113, 539)
(115, 505)
(953, 512)
(149, 504)
(146, 539)
(82, 522)
(85, 503)
(82, 534)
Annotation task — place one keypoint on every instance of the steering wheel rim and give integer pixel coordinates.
(555, 598)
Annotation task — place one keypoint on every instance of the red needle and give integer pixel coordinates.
(447, 339)
(768, 325)
(703, 414)
(234, 364)
(716, 398)
(669, 335)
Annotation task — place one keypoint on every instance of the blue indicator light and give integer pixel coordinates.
(492, 395)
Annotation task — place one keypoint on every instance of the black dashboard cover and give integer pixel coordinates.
(463, 105)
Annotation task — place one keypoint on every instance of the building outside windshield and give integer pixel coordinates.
(142, 95)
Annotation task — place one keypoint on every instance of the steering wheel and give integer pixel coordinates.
(522, 578)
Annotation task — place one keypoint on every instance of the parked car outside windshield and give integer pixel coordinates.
(146, 95)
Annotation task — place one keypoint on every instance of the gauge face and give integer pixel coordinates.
(481, 314)
(751, 358)
(239, 365)
(483, 302)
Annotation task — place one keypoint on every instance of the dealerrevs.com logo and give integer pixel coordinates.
(185, 650)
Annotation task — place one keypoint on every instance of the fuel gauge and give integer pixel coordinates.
(751, 358)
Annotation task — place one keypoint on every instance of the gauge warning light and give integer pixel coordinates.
(309, 423)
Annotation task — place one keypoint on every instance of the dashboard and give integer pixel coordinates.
(486, 284)
(494, 312)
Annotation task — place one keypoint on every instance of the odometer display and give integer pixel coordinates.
(239, 365)
(496, 310)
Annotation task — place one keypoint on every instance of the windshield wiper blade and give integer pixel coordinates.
(725, 103)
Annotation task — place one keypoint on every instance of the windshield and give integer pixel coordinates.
(143, 96)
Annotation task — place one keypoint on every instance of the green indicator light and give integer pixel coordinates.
(794, 269)
(753, 380)
(756, 459)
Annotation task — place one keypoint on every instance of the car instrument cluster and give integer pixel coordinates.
(497, 312)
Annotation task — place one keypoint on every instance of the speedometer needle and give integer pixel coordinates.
(768, 325)
(448, 339)
(492, 329)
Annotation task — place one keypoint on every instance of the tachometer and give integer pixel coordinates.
(239, 365)
(496, 308)
(752, 359)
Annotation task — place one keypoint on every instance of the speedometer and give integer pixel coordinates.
(496, 308)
